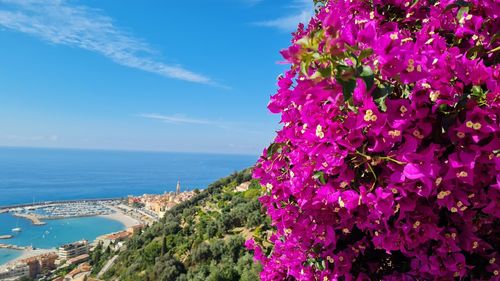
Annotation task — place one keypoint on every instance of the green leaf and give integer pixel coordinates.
(444, 108)
(303, 67)
(380, 94)
(459, 3)
(478, 95)
(381, 103)
(326, 72)
(347, 88)
(461, 12)
(320, 176)
(368, 76)
(274, 148)
(315, 75)
(476, 52)
(365, 53)
(494, 38)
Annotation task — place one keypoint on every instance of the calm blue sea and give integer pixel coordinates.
(29, 174)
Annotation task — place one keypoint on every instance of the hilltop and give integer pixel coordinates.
(199, 239)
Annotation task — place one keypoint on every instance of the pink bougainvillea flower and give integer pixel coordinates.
(387, 166)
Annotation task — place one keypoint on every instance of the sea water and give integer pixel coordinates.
(29, 174)
(33, 175)
(52, 234)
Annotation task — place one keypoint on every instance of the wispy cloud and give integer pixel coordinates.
(254, 128)
(302, 11)
(51, 138)
(59, 22)
(179, 119)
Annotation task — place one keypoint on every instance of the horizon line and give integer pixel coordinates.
(128, 150)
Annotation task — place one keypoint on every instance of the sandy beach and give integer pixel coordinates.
(121, 217)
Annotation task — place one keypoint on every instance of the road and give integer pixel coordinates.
(107, 266)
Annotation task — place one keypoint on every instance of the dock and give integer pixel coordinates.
(33, 218)
(14, 247)
(10, 208)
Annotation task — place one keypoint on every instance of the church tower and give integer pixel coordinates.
(178, 189)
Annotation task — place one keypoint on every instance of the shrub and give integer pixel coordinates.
(387, 165)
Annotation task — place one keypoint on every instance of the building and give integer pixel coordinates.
(15, 272)
(38, 264)
(78, 273)
(118, 236)
(135, 228)
(72, 250)
(78, 259)
(159, 204)
(156, 206)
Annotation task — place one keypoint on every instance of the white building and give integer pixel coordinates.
(72, 250)
(15, 272)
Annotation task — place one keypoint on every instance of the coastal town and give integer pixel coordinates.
(72, 261)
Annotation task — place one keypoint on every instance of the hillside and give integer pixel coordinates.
(200, 239)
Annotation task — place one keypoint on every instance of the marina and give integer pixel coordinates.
(53, 234)
(37, 213)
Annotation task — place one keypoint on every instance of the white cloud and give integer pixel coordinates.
(58, 22)
(178, 119)
(303, 10)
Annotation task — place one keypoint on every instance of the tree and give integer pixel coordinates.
(164, 245)
(168, 268)
(201, 253)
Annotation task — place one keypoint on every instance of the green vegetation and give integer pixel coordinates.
(200, 239)
(99, 257)
(62, 271)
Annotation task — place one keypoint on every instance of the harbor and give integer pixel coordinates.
(39, 212)
(47, 224)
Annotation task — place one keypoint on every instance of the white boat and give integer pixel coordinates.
(17, 229)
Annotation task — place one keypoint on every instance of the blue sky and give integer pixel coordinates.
(191, 76)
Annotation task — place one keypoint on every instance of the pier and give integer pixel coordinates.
(33, 218)
(9, 208)
(15, 247)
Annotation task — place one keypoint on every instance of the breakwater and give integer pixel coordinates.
(33, 218)
(7, 208)
(14, 247)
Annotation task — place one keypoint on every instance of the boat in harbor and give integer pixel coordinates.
(17, 228)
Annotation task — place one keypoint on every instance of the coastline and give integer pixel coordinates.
(118, 216)
(25, 254)
(122, 218)
(31, 253)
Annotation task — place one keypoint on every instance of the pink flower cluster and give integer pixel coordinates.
(388, 163)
